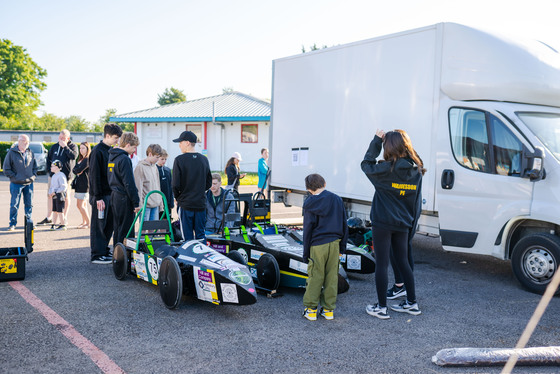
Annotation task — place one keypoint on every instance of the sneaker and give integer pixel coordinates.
(52, 227)
(395, 292)
(11, 228)
(61, 227)
(377, 311)
(102, 260)
(327, 313)
(310, 314)
(46, 221)
(406, 307)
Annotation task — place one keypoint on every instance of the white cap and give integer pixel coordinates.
(237, 155)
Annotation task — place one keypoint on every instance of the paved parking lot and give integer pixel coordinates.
(72, 316)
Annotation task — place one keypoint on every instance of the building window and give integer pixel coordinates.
(197, 129)
(249, 133)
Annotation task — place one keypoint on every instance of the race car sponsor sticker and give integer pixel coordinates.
(298, 265)
(229, 293)
(240, 277)
(187, 258)
(222, 248)
(255, 255)
(205, 284)
(342, 259)
(210, 264)
(146, 267)
(353, 262)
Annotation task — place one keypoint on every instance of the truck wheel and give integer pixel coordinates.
(535, 259)
(170, 282)
(120, 261)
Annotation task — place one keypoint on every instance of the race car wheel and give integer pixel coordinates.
(170, 282)
(268, 272)
(120, 261)
(343, 284)
(237, 257)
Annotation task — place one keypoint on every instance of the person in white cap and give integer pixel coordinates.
(233, 171)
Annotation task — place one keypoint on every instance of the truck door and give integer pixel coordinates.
(481, 189)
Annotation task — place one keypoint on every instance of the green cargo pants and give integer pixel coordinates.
(322, 269)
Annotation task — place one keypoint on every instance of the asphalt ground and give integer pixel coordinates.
(95, 322)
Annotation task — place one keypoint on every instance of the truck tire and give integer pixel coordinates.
(534, 260)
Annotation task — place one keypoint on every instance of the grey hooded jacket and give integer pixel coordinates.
(19, 166)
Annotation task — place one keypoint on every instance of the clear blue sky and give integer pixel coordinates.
(122, 54)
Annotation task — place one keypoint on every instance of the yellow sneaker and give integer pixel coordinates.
(310, 314)
(327, 313)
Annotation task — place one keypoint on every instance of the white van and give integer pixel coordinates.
(483, 112)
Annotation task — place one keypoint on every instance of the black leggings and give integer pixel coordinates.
(383, 241)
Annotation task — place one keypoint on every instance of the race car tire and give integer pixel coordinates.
(237, 257)
(268, 272)
(343, 284)
(170, 282)
(120, 261)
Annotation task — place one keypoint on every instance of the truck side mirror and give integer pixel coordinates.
(532, 164)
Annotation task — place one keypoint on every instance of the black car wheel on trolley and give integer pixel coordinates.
(237, 257)
(120, 261)
(170, 282)
(268, 272)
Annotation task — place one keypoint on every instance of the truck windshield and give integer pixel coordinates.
(546, 126)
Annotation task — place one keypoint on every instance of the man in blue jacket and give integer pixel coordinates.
(21, 168)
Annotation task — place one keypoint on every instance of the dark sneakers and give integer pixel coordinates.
(102, 260)
(46, 221)
(406, 307)
(395, 292)
(377, 311)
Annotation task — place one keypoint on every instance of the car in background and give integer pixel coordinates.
(40, 153)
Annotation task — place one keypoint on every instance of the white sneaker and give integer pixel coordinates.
(406, 307)
(377, 311)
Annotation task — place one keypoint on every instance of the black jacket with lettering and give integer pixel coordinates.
(121, 175)
(397, 200)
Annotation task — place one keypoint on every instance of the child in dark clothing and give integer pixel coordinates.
(325, 234)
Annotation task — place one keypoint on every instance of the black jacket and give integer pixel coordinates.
(191, 179)
(66, 155)
(121, 175)
(233, 175)
(98, 181)
(20, 167)
(397, 200)
(81, 171)
(165, 185)
(324, 221)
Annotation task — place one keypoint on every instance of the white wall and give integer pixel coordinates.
(163, 133)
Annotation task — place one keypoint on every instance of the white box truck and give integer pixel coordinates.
(483, 111)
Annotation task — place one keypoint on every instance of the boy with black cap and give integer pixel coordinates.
(191, 179)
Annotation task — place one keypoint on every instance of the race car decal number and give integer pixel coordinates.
(153, 268)
(229, 293)
(298, 265)
(146, 267)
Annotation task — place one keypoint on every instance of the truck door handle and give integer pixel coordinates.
(447, 179)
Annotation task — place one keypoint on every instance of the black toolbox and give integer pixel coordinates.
(12, 259)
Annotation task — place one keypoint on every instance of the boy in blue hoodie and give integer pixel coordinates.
(325, 234)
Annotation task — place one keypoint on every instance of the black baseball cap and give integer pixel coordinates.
(188, 136)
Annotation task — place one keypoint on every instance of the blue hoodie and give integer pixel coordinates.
(324, 221)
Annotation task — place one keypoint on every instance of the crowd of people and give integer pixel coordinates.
(116, 189)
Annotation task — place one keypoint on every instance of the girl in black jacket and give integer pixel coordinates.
(80, 183)
(397, 183)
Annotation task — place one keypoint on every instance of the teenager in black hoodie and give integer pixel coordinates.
(397, 183)
(325, 234)
(124, 194)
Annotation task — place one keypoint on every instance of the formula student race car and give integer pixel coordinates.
(181, 268)
(275, 254)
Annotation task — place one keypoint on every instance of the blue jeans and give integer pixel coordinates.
(192, 221)
(16, 190)
(151, 214)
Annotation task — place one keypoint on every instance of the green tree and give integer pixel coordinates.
(312, 48)
(228, 90)
(50, 122)
(21, 83)
(77, 123)
(171, 95)
(106, 118)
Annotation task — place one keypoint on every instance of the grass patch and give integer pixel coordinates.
(251, 179)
